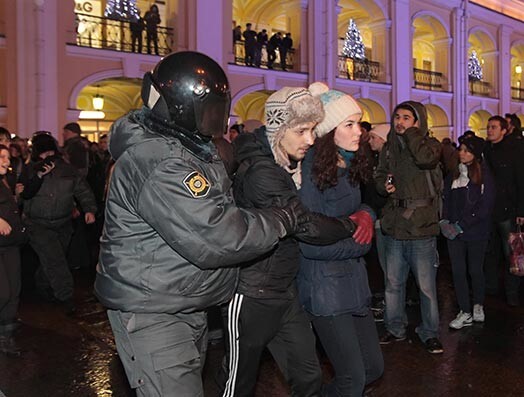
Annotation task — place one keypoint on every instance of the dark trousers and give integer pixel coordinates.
(498, 242)
(271, 56)
(250, 54)
(50, 244)
(152, 37)
(284, 328)
(78, 254)
(467, 257)
(283, 55)
(351, 344)
(136, 37)
(163, 354)
(10, 283)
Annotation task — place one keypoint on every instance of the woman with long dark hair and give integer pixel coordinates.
(469, 196)
(332, 280)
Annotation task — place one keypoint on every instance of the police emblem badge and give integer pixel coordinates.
(197, 184)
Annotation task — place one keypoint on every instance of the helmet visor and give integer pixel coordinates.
(212, 113)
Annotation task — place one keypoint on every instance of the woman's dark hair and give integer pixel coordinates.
(474, 171)
(2, 147)
(325, 164)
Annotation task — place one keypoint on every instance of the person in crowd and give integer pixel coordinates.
(17, 163)
(262, 40)
(265, 311)
(225, 151)
(449, 159)
(22, 142)
(50, 188)
(332, 280)
(468, 199)
(514, 126)
(466, 134)
(75, 152)
(152, 20)
(287, 44)
(10, 177)
(172, 230)
(137, 26)
(504, 156)
(274, 44)
(10, 269)
(234, 131)
(409, 174)
(378, 135)
(237, 34)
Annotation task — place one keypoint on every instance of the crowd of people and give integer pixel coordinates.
(273, 227)
(254, 42)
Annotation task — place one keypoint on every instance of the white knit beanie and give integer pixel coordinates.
(381, 130)
(338, 106)
(287, 108)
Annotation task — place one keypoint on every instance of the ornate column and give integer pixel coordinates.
(213, 29)
(459, 83)
(443, 61)
(402, 78)
(504, 66)
(332, 43)
(381, 45)
(304, 36)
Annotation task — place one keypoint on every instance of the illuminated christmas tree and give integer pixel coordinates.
(353, 45)
(122, 10)
(474, 67)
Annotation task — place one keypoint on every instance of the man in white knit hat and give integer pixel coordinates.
(265, 311)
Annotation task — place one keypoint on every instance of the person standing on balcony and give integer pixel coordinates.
(152, 19)
(274, 43)
(237, 34)
(136, 26)
(287, 44)
(250, 44)
(262, 39)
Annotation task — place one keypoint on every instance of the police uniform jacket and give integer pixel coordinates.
(172, 231)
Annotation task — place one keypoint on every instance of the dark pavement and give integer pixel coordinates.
(76, 356)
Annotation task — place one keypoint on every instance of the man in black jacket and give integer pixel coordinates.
(50, 188)
(265, 311)
(504, 155)
(172, 231)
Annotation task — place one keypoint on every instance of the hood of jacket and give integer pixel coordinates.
(419, 111)
(125, 133)
(251, 145)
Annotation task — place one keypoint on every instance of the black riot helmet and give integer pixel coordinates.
(190, 90)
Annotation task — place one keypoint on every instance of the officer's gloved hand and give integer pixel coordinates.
(292, 217)
(325, 230)
(365, 227)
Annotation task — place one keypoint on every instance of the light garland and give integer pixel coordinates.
(353, 46)
(474, 67)
(122, 10)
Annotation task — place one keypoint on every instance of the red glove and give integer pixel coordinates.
(364, 222)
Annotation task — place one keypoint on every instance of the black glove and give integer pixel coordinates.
(292, 217)
(324, 230)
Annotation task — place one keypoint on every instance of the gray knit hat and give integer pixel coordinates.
(337, 106)
(287, 108)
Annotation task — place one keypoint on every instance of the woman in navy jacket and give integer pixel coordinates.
(332, 280)
(469, 196)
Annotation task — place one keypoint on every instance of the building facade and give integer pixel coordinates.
(57, 55)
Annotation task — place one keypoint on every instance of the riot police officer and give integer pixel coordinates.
(173, 233)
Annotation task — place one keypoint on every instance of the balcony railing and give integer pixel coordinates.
(240, 56)
(479, 87)
(356, 69)
(517, 93)
(109, 34)
(427, 80)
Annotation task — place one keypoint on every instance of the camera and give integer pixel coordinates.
(390, 180)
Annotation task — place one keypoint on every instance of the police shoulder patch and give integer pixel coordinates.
(197, 184)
